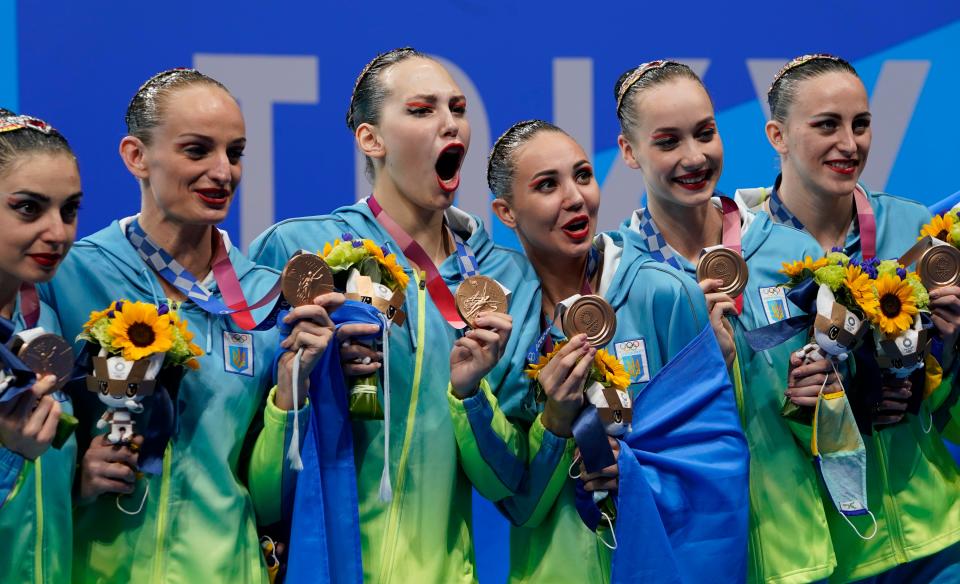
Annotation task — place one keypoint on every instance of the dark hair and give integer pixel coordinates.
(368, 95)
(501, 165)
(21, 135)
(783, 90)
(635, 80)
(146, 109)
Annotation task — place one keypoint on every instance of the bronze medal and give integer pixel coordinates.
(478, 294)
(305, 277)
(49, 354)
(592, 316)
(725, 265)
(939, 266)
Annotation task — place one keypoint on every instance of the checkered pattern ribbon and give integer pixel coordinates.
(661, 251)
(658, 246)
(226, 277)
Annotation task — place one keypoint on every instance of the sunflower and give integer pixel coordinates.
(610, 371)
(181, 324)
(896, 305)
(396, 271)
(861, 288)
(374, 250)
(533, 370)
(96, 315)
(139, 331)
(795, 269)
(939, 227)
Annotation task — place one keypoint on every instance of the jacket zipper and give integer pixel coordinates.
(38, 552)
(389, 548)
(162, 514)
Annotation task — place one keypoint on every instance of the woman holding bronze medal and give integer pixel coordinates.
(668, 131)
(408, 117)
(820, 127)
(192, 517)
(599, 303)
(40, 186)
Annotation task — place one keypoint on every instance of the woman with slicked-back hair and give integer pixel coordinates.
(223, 469)
(820, 127)
(409, 118)
(669, 133)
(40, 190)
(598, 528)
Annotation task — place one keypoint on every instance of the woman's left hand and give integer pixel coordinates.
(475, 353)
(945, 314)
(312, 332)
(607, 479)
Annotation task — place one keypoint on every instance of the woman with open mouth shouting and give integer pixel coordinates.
(194, 516)
(409, 118)
(820, 127)
(40, 186)
(669, 133)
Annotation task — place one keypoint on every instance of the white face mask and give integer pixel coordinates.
(841, 456)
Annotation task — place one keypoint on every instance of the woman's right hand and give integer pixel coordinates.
(108, 468)
(356, 358)
(28, 423)
(894, 397)
(718, 306)
(806, 378)
(562, 380)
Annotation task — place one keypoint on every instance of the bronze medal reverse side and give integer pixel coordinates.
(725, 265)
(593, 316)
(49, 354)
(478, 294)
(939, 266)
(305, 277)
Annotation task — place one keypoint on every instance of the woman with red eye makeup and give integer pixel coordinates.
(669, 133)
(39, 199)
(408, 118)
(546, 192)
(820, 127)
(185, 507)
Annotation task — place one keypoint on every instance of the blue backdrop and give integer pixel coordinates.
(292, 65)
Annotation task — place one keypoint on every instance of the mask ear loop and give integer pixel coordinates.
(293, 452)
(613, 533)
(576, 461)
(143, 501)
(857, 531)
(923, 426)
(869, 512)
(386, 486)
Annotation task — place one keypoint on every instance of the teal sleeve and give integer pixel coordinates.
(548, 466)
(523, 471)
(492, 449)
(270, 478)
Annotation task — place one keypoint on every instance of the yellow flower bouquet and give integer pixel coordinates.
(606, 388)
(134, 341)
(368, 273)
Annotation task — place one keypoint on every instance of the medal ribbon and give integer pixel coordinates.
(731, 235)
(661, 251)
(226, 277)
(866, 221)
(436, 286)
(29, 304)
(544, 342)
